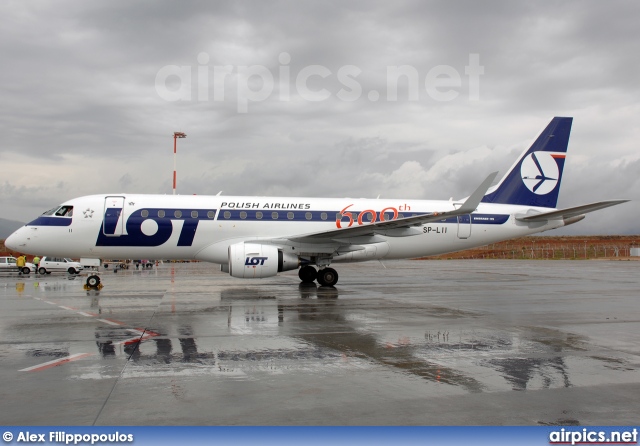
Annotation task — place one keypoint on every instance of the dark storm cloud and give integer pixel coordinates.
(81, 106)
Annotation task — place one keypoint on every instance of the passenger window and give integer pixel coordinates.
(194, 214)
(177, 214)
(161, 213)
(259, 215)
(274, 215)
(144, 214)
(323, 216)
(243, 215)
(211, 214)
(308, 215)
(227, 215)
(400, 215)
(290, 215)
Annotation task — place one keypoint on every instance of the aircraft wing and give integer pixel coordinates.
(569, 212)
(400, 227)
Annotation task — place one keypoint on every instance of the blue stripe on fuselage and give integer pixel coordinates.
(50, 221)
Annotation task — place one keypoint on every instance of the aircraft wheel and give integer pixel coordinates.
(42, 271)
(93, 281)
(327, 277)
(307, 274)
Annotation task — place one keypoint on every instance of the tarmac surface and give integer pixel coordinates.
(416, 343)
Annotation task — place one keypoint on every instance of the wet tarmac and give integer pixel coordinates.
(415, 343)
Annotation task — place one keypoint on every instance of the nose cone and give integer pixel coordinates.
(13, 241)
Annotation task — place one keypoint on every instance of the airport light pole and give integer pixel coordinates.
(176, 135)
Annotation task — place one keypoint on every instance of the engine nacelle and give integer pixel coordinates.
(255, 261)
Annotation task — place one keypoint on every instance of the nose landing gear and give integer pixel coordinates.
(93, 282)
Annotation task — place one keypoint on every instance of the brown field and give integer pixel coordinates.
(549, 247)
(536, 247)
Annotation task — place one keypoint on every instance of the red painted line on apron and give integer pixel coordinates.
(56, 362)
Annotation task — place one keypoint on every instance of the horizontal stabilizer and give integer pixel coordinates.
(570, 212)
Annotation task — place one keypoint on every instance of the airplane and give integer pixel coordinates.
(258, 237)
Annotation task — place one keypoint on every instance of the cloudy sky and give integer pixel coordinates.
(304, 99)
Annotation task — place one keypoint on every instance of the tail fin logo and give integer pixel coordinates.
(540, 172)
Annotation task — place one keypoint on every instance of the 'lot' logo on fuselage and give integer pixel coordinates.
(151, 227)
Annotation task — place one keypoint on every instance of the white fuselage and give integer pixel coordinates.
(203, 227)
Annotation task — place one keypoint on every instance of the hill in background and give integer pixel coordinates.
(7, 227)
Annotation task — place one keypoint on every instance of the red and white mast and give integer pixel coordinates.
(176, 135)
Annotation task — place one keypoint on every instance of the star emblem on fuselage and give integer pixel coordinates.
(88, 213)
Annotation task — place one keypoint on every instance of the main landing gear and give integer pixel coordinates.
(325, 276)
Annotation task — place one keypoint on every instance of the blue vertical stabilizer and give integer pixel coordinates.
(534, 180)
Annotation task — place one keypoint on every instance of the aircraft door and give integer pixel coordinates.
(464, 226)
(113, 221)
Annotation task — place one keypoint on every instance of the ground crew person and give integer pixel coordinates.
(20, 262)
(36, 262)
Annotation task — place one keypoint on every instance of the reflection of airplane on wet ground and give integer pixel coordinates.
(256, 237)
(328, 334)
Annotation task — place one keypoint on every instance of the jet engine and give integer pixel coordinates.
(255, 261)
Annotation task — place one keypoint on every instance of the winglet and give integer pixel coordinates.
(475, 198)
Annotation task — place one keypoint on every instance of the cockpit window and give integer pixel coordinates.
(65, 211)
(51, 211)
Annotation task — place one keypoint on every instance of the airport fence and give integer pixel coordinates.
(552, 248)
